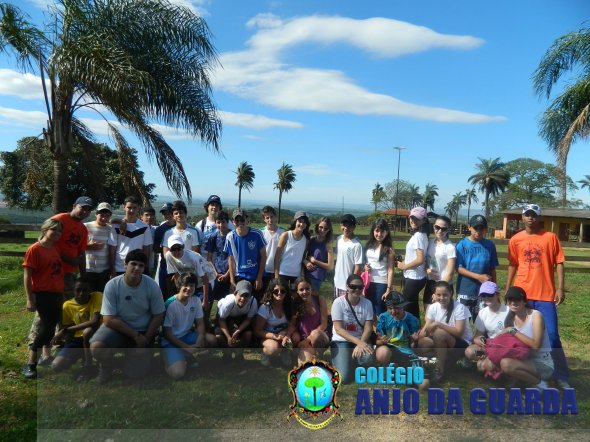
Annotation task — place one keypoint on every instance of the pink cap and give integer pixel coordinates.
(418, 212)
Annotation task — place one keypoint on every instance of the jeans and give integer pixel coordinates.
(549, 311)
(343, 361)
(374, 293)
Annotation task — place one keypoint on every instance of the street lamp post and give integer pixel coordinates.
(399, 153)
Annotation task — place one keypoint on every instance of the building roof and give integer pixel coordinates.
(555, 213)
(400, 212)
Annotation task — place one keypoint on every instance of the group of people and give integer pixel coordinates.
(266, 283)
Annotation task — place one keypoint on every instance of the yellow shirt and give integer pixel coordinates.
(75, 314)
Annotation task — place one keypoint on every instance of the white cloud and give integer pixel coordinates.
(314, 169)
(253, 137)
(259, 74)
(197, 6)
(256, 122)
(17, 117)
(16, 84)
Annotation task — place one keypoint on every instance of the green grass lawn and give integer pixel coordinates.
(250, 400)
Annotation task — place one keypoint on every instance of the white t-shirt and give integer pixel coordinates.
(137, 235)
(180, 318)
(417, 241)
(189, 262)
(378, 268)
(491, 323)
(438, 255)
(227, 307)
(190, 236)
(348, 254)
(273, 324)
(272, 241)
(293, 251)
(341, 312)
(437, 313)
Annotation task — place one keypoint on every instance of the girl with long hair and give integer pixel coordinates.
(380, 259)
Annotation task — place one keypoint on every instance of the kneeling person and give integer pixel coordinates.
(184, 310)
(132, 310)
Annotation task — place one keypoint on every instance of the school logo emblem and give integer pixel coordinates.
(251, 245)
(314, 385)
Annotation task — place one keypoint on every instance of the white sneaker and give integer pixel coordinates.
(542, 385)
(562, 383)
(265, 360)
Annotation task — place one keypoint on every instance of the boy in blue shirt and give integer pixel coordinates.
(476, 263)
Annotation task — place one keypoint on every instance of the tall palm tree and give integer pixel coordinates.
(585, 182)
(144, 61)
(429, 196)
(378, 195)
(471, 197)
(286, 178)
(414, 196)
(451, 209)
(244, 179)
(459, 200)
(567, 118)
(492, 179)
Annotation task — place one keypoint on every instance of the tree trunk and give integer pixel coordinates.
(280, 198)
(468, 210)
(239, 197)
(487, 202)
(60, 179)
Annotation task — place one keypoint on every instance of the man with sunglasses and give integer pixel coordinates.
(246, 251)
(534, 254)
(476, 263)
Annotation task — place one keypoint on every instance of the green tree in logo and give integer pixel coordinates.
(314, 383)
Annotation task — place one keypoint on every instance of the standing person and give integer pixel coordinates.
(135, 235)
(380, 259)
(190, 235)
(246, 251)
(101, 239)
(310, 318)
(349, 255)
(148, 216)
(352, 317)
(271, 232)
(476, 263)
(165, 225)
(132, 311)
(440, 258)
(291, 248)
(218, 259)
(44, 286)
(534, 254)
(73, 242)
(414, 264)
(320, 254)
(207, 225)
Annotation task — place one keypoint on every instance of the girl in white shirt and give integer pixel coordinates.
(380, 258)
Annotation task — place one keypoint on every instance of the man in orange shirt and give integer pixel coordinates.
(534, 254)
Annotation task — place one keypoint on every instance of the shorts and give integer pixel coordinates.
(73, 350)
(315, 283)
(172, 353)
(112, 338)
(544, 365)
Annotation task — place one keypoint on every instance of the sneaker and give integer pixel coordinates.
(562, 383)
(104, 375)
(265, 360)
(86, 373)
(542, 386)
(45, 361)
(286, 358)
(437, 374)
(29, 371)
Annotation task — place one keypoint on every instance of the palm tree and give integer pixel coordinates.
(144, 61)
(451, 209)
(286, 178)
(414, 196)
(585, 182)
(491, 178)
(471, 197)
(378, 195)
(459, 200)
(244, 179)
(567, 118)
(429, 196)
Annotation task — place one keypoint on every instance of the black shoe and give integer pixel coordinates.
(86, 373)
(29, 371)
(104, 375)
(45, 361)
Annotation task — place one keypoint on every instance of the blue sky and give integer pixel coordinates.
(331, 87)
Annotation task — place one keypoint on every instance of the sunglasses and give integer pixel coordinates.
(442, 229)
(279, 292)
(176, 248)
(355, 286)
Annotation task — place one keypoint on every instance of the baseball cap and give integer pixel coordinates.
(239, 212)
(348, 219)
(104, 206)
(534, 207)
(478, 221)
(515, 292)
(85, 201)
(175, 239)
(488, 288)
(166, 208)
(418, 212)
(300, 214)
(395, 300)
(243, 287)
(213, 199)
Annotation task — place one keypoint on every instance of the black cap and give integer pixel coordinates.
(478, 221)
(213, 199)
(515, 292)
(166, 208)
(395, 300)
(348, 219)
(85, 201)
